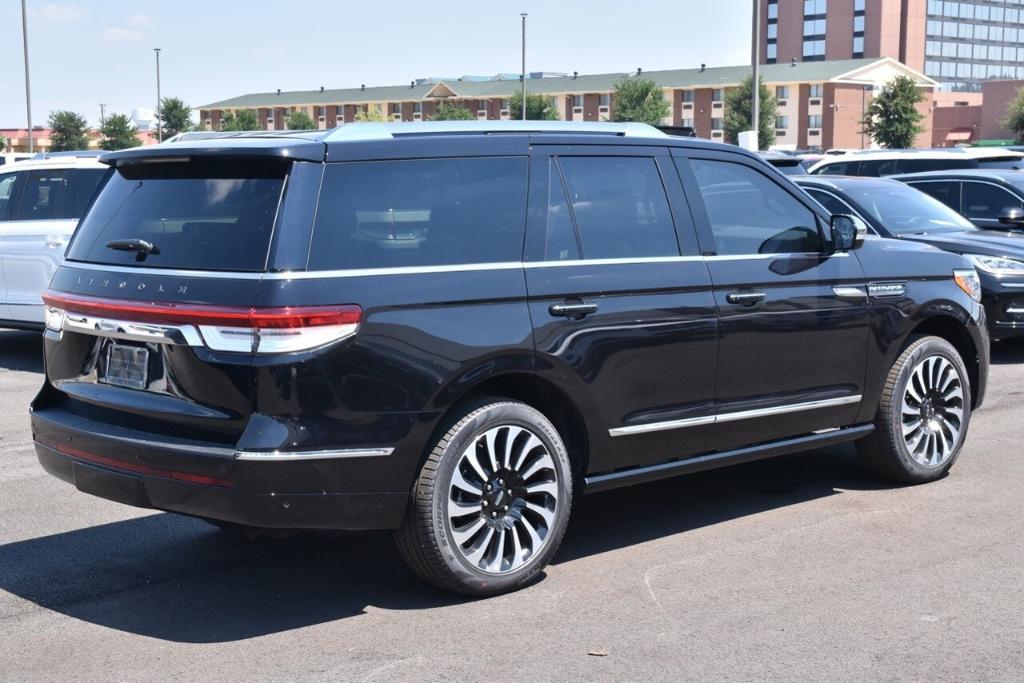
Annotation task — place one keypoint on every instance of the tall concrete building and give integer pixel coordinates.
(960, 44)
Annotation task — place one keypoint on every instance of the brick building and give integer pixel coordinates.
(821, 103)
(960, 44)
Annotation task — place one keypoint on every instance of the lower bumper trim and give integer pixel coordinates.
(291, 456)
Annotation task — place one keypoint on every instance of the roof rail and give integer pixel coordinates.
(360, 131)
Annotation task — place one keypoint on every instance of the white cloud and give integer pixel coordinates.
(140, 20)
(116, 34)
(59, 13)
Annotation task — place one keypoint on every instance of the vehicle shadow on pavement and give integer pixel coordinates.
(1008, 352)
(178, 579)
(20, 350)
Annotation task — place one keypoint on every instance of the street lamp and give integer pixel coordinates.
(28, 88)
(159, 127)
(523, 73)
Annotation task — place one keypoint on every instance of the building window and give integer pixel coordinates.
(782, 122)
(814, 50)
(396, 107)
(577, 100)
(858, 5)
(687, 96)
(813, 8)
(687, 123)
(717, 95)
(858, 24)
(772, 52)
(604, 100)
(858, 46)
(781, 92)
(814, 121)
(773, 10)
(716, 124)
(816, 90)
(773, 31)
(814, 27)
(417, 107)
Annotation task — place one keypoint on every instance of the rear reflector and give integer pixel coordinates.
(223, 328)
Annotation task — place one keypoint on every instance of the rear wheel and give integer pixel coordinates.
(491, 503)
(923, 414)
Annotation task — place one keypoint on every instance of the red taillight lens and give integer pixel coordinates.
(226, 328)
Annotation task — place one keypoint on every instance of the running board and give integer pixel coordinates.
(639, 475)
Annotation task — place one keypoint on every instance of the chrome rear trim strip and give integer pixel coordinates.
(183, 335)
(291, 456)
(732, 417)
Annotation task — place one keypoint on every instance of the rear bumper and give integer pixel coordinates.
(212, 482)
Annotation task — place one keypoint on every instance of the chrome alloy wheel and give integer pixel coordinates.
(933, 411)
(503, 498)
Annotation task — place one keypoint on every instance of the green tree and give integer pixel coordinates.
(175, 116)
(538, 108)
(3, 142)
(639, 99)
(70, 131)
(118, 133)
(299, 120)
(448, 111)
(371, 113)
(1015, 116)
(892, 117)
(243, 119)
(737, 113)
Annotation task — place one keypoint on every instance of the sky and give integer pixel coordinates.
(87, 52)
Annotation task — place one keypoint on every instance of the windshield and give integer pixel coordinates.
(906, 211)
(212, 214)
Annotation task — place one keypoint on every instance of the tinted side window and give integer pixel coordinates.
(83, 184)
(830, 202)
(560, 243)
(920, 165)
(839, 168)
(425, 212)
(46, 196)
(982, 200)
(877, 167)
(750, 214)
(7, 183)
(946, 191)
(620, 207)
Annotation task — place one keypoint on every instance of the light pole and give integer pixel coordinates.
(863, 110)
(159, 127)
(523, 15)
(28, 88)
(755, 86)
(103, 114)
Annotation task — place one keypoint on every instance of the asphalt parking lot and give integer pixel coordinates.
(800, 567)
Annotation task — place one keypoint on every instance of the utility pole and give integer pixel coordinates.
(159, 126)
(103, 114)
(28, 88)
(523, 15)
(755, 88)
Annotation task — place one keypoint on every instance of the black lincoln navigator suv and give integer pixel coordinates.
(451, 330)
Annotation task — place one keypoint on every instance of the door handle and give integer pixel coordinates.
(745, 298)
(575, 311)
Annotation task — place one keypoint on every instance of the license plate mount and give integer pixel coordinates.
(126, 366)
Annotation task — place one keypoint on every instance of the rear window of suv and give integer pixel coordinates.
(208, 214)
(421, 212)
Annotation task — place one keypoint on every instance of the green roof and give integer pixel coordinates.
(711, 77)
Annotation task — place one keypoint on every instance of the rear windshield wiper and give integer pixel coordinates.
(142, 248)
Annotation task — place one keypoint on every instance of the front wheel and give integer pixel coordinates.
(491, 503)
(923, 414)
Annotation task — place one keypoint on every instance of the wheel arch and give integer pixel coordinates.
(953, 331)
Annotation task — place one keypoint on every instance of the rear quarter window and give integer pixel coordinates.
(921, 165)
(420, 212)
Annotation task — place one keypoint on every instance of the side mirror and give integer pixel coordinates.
(848, 232)
(1012, 215)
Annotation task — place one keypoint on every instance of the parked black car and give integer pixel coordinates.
(989, 199)
(451, 329)
(894, 210)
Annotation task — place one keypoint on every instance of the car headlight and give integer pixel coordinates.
(968, 281)
(998, 265)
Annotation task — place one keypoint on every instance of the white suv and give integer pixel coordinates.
(40, 204)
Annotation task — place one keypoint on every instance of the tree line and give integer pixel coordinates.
(70, 130)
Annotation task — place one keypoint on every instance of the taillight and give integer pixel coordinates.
(222, 328)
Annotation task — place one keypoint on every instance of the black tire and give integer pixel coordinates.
(885, 451)
(426, 541)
